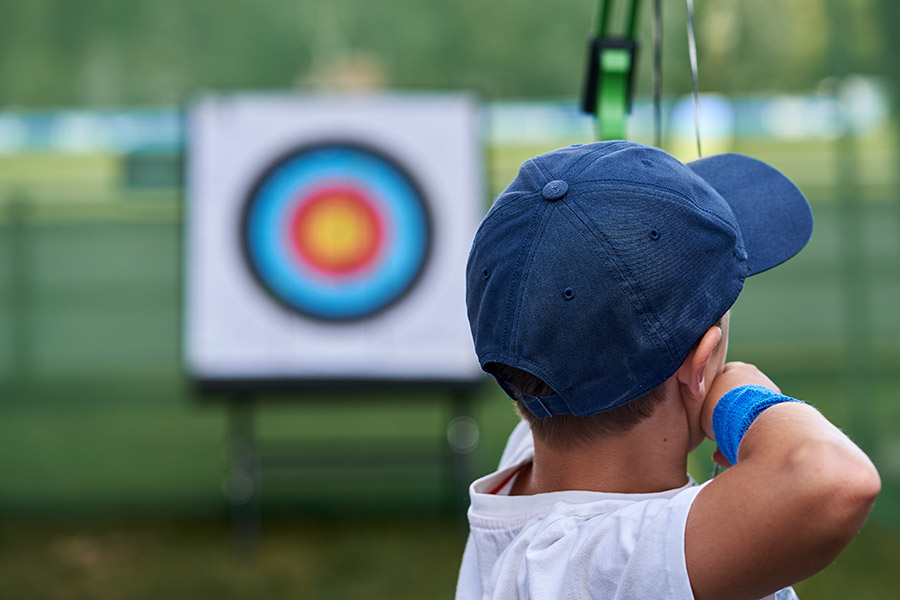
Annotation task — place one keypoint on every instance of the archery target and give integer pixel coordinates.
(326, 238)
(336, 231)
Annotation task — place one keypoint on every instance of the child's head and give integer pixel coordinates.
(600, 266)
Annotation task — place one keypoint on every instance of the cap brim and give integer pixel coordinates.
(772, 213)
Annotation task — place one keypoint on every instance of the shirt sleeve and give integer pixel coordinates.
(657, 566)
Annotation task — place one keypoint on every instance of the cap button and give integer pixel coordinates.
(554, 190)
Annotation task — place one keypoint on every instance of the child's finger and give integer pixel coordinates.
(720, 459)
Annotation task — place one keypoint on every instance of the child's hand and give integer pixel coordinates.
(734, 375)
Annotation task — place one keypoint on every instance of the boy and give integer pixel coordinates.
(598, 290)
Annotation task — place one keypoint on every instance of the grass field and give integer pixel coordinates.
(111, 473)
(345, 559)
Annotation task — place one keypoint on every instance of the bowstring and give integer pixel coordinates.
(657, 72)
(692, 49)
(695, 85)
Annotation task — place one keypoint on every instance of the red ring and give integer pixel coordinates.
(340, 196)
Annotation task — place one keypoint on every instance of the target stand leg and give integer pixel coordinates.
(242, 483)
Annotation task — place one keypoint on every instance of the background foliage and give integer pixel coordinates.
(56, 53)
(111, 474)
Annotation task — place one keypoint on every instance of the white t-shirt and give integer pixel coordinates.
(574, 544)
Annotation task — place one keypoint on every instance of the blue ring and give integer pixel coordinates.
(301, 172)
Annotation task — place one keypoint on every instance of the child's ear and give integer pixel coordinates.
(692, 373)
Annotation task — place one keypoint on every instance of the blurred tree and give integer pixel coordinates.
(888, 18)
(114, 52)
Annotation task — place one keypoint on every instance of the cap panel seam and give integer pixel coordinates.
(545, 174)
(526, 271)
(626, 281)
(508, 197)
(576, 169)
(496, 213)
(495, 210)
(685, 197)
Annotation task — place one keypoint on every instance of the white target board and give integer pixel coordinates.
(327, 236)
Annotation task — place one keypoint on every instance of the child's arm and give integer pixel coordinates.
(798, 494)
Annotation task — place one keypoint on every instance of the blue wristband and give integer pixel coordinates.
(736, 411)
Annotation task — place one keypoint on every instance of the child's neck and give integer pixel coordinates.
(651, 457)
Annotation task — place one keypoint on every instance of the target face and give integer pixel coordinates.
(336, 231)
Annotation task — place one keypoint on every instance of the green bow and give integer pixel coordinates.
(609, 80)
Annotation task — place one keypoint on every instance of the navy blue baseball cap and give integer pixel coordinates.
(601, 265)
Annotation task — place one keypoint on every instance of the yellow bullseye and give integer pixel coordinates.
(337, 232)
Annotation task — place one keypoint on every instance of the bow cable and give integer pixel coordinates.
(692, 49)
(657, 73)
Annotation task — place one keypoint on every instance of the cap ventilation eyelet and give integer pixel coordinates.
(485, 274)
(568, 293)
(654, 234)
